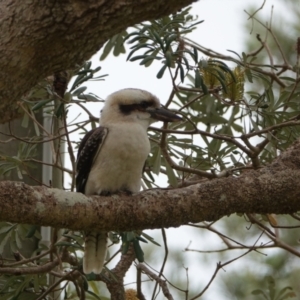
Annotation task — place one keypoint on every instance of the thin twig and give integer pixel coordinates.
(54, 285)
(70, 151)
(164, 261)
(162, 283)
(220, 266)
(28, 260)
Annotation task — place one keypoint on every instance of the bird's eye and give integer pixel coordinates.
(144, 104)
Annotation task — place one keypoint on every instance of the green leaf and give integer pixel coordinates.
(227, 70)
(204, 87)
(87, 65)
(125, 247)
(148, 60)
(271, 286)
(36, 283)
(158, 40)
(80, 79)
(186, 62)
(79, 91)
(171, 175)
(157, 161)
(18, 241)
(6, 227)
(254, 125)
(4, 241)
(161, 72)
(40, 104)
(130, 236)
(288, 295)
(96, 296)
(138, 38)
(141, 239)
(128, 36)
(259, 292)
(168, 56)
(138, 251)
(195, 54)
(89, 98)
(69, 244)
(25, 121)
(283, 295)
(135, 48)
(138, 57)
(235, 53)
(107, 49)
(150, 239)
(169, 39)
(249, 75)
(119, 46)
(68, 97)
(31, 231)
(190, 53)
(233, 159)
(60, 111)
(198, 79)
(181, 70)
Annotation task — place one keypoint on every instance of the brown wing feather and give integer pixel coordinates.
(87, 152)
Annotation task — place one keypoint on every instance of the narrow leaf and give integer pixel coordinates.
(161, 72)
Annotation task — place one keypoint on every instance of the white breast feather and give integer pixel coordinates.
(120, 162)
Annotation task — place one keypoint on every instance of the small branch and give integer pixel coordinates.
(161, 282)
(163, 146)
(220, 266)
(33, 118)
(139, 292)
(50, 289)
(48, 164)
(279, 243)
(91, 116)
(271, 128)
(30, 270)
(26, 261)
(50, 139)
(256, 11)
(227, 138)
(164, 261)
(172, 94)
(70, 151)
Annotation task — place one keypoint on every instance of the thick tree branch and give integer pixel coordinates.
(40, 37)
(273, 189)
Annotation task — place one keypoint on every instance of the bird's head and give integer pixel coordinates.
(134, 105)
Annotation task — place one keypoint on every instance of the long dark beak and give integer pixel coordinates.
(162, 114)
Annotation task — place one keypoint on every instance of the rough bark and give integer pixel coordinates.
(273, 189)
(40, 37)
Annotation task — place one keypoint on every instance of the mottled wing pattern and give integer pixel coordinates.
(87, 152)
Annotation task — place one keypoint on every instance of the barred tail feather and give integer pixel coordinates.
(94, 252)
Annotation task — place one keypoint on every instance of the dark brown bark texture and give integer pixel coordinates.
(272, 189)
(41, 37)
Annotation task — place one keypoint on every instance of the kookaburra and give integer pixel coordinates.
(111, 157)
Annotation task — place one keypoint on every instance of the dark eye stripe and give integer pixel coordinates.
(126, 109)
